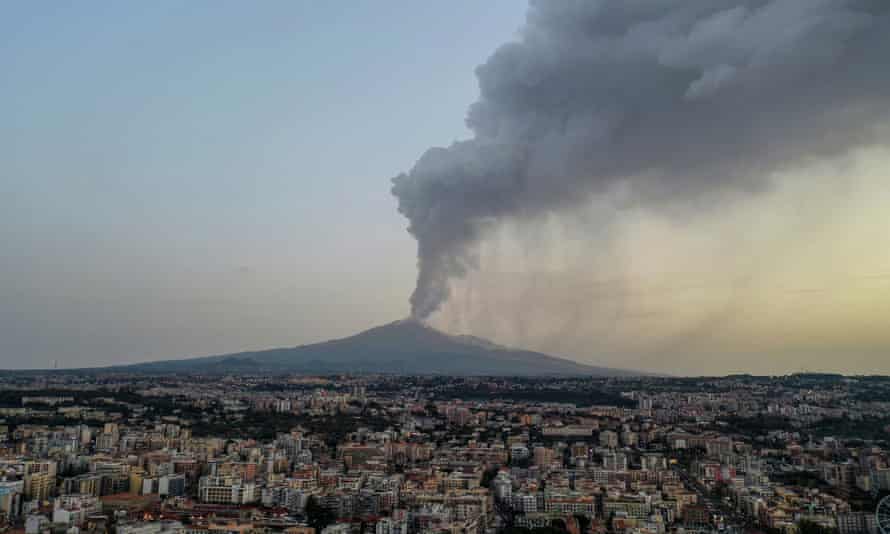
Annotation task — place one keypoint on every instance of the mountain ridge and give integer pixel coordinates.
(406, 346)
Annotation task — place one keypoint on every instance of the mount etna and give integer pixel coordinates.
(402, 347)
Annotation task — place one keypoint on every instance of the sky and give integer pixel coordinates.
(192, 178)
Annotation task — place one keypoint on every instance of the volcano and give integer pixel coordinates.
(402, 347)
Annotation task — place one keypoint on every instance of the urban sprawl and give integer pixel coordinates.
(140, 454)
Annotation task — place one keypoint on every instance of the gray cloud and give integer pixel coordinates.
(678, 99)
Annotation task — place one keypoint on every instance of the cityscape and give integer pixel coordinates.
(384, 454)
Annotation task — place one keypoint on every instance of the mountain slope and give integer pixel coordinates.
(407, 347)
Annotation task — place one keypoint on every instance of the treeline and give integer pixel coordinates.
(867, 429)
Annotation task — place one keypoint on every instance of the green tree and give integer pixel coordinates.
(317, 516)
(583, 522)
(809, 527)
(488, 475)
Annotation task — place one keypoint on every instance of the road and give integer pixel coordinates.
(732, 519)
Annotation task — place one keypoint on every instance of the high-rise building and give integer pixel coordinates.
(39, 486)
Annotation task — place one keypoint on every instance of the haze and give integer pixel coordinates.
(182, 179)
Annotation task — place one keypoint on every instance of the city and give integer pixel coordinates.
(148, 454)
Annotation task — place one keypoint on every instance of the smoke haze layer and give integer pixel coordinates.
(672, 101)
(795, 278)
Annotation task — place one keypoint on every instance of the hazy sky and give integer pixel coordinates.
(191, 178)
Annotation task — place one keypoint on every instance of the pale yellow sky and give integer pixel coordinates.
(797, 278)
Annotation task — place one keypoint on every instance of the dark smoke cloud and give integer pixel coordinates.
(678, 98)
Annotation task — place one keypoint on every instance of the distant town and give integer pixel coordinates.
(386, 454)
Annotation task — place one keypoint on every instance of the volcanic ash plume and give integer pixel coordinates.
(675, 98)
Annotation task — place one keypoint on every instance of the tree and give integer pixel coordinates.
(809, 527)
(583, 523)
(488, 475)
(317, 516)
(507, 514)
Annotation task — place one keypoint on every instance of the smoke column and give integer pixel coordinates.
(676, 99)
